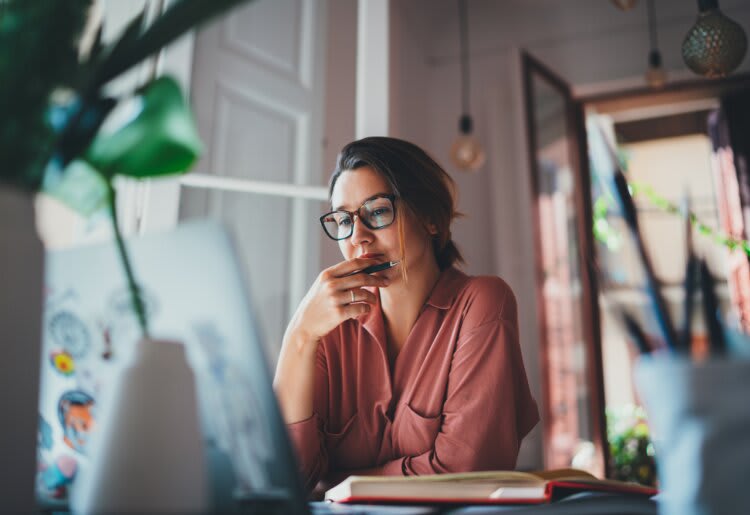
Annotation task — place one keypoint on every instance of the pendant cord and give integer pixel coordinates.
(464, 45)
(653, 36)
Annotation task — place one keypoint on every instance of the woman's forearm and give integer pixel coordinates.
(295, 377)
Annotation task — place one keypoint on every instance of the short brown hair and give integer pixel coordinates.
(416, 179)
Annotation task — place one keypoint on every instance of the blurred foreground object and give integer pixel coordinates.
(698, 417)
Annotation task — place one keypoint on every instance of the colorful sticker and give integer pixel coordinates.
(75, 410)
(62, 362)
(55, 476)
(107, 351)
(69, 332)
(44, 434)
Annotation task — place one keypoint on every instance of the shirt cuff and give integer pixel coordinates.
(304, 437)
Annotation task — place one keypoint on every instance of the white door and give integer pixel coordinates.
(258, 93)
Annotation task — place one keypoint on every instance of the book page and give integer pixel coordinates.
(564, 473)
(495, 476)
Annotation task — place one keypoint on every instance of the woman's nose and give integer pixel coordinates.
(360, 232)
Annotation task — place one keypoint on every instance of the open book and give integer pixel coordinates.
(495, 487)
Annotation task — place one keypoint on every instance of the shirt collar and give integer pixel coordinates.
(447, 287)
(450, 282)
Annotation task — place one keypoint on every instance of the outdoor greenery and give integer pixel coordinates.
(630, 447)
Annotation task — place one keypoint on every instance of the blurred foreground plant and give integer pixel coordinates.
(57, 134)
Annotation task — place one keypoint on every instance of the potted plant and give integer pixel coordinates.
(55, 136)
(630, 447)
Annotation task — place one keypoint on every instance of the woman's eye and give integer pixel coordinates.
(380, 211)
(344, 222)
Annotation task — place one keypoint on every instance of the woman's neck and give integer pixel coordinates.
(402, 302)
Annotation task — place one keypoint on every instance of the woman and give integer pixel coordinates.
(412, 370)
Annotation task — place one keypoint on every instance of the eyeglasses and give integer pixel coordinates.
(376, 213)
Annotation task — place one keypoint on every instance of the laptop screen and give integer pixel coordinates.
(194, 293)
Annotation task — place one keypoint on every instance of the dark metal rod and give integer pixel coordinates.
(653, 36)
(464, 45)
(706, 5)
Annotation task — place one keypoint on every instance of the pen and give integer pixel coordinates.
(375, 268)
(636, 334)
(685, 338)
(631, 219)
(613, 169)
(716, 342)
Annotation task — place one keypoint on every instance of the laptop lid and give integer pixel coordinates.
(194, 293)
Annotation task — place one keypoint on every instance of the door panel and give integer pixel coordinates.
(258, 94)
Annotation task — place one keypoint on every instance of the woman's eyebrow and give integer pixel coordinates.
(342, 207)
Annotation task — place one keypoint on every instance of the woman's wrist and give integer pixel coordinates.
(300, 341)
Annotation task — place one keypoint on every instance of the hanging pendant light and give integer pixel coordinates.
(656, 77)
(466, 152)
(715, 45)
(625, 5)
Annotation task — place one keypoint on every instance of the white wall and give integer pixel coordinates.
(588, 42)
(340, 100)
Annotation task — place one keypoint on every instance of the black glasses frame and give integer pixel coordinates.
(362, 219)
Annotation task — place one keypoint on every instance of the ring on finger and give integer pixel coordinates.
(352, 292)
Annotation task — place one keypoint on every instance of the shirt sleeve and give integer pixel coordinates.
(488, 408)
(307, 435)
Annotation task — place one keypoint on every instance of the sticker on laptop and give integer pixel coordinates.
(75, 410)
(62, 362)
(68, 331)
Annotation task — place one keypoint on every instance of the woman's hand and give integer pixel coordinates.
(335, 296)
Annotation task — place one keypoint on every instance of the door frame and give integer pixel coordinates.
(576, 108)
(594, 378)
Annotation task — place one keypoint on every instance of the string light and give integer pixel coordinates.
(715, 45)
(466, 152)
(656, 77)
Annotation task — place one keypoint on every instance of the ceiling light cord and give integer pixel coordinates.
(463, 33)
(652, 33)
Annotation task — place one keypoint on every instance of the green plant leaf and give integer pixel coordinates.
(78, 186)
(38, 54)
(159, 138)
(127, 38)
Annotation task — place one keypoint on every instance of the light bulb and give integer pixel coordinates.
(625, 5)
(715, 45)
(467, 153)
(656, 77)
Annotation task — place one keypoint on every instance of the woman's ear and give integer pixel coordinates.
(432, 229)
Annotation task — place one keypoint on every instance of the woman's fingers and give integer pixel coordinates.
(350, 266)
(359, 281)
(337, 296)
(354, 310)
(356, 295)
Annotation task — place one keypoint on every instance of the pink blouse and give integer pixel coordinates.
(457, 398)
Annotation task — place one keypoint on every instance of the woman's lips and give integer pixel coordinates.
(371, 255)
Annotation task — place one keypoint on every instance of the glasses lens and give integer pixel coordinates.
(378, 212)
(338, 225)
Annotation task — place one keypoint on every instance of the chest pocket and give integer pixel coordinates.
(414, 434)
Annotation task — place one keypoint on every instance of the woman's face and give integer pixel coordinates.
(351, 190)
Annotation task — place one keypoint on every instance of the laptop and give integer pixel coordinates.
(194, 293)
